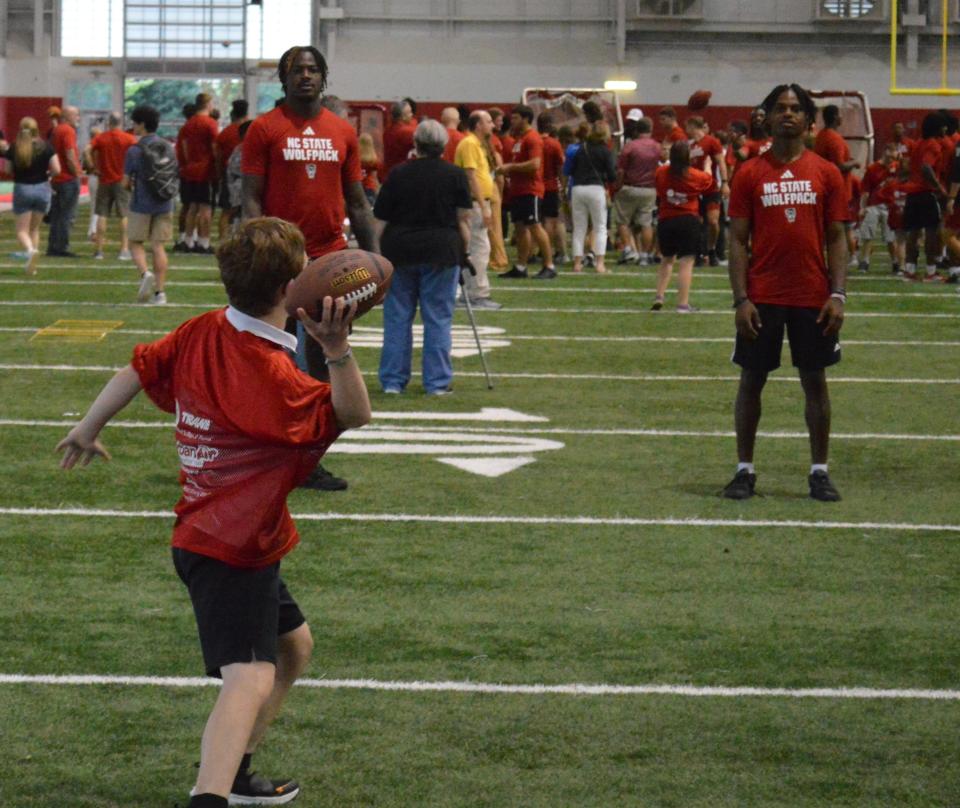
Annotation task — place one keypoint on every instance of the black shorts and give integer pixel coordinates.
(921, 211)
(240, 612)
(708, 201)
(223, 196)
(196, 193)
(525, 209)
(550, 207)
(679, 236)
(809, 348)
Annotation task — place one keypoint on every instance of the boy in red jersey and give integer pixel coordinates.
(250, 427)
(785, 207)
(873, 214)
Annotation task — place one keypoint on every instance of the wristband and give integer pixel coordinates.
(740, 301)
(340, 361)
(839, 295)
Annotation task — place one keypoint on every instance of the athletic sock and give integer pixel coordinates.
(910, 269)
(189, 241)
(183, 236)
(207, 801)
(204, 242)
(747, 467)
(815, 467)
(521, 267)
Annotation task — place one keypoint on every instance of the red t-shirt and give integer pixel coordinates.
(454, 136)
(830, 145)
(675, 134)
(707, 146)
(227, 141)
(875, 176)
(111, 148)
(197, 137)
(894, 195)
(789, 206)
(754, 148)
(527, 147)
(924, 153)
(397, 145)
(552, 163)
(250, 428)
(496, 143)
(680, 196)
(506, 152)
(854, 186)
(369, 174)
(904, 147)
(306, 165)
(63, 139)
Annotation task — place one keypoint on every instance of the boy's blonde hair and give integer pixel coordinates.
(258, 261)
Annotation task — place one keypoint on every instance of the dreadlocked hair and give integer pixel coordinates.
(809, 107)
(290, 56)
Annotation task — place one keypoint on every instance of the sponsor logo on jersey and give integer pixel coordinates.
(310, 150)
(195, 457)
(189, 419)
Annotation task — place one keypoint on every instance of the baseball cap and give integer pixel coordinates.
(635, 114)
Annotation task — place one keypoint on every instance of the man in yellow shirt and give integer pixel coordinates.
(471, 156)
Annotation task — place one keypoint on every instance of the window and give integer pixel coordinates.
(91, 28)
(669, 9)
(849, 9)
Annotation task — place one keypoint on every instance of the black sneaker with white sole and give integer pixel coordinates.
(741, 486)
(322, 480)
(546, 274)
(250, 788)
(515, 272)
(821, 488)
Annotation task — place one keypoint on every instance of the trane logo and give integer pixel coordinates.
(358, 275)
(189, 419)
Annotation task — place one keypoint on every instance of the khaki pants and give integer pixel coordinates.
(477, 287)
(498, 252)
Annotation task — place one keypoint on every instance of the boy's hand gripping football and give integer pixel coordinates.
(333, 328)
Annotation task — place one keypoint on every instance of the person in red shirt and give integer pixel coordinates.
(672, 131)
(951, 221)
(301, 162)
(188, 111)
(525, 173)
(65, 185)
(873, 214)
(787, 207)
(903, 143)
(552, 173)
(109, 149)
(832, 146)
(370, 167)
(450, 118)
(198, 145)
(706, 154)
(680, 189)
(921, 215)
(758, 140)
(227, 141)
(398, 137)
(249, 427)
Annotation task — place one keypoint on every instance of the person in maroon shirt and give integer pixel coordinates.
(398, 137)
(787, 207)
(249, 426)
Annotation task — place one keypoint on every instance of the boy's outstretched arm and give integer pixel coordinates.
(81, 444)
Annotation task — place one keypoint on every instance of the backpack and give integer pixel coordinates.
(160, 171)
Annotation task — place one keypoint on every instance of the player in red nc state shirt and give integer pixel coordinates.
(785, 206)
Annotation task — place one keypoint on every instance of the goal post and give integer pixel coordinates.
(944, 88)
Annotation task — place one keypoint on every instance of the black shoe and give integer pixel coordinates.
(200, 250)
(322, 480)
(546, 274)
(62, 254)
(944, 263)
(713, 260)
(698, 261)
(821, 488)
(181, 247)
(250, 788)
(514, 273)
(535, 259)
(657, 305)
(741, 486)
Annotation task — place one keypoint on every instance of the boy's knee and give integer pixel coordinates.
(297, 648)
(255, 678)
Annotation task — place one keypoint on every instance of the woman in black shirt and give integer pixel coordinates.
(592, 168)
(426, 206)
(33, 161)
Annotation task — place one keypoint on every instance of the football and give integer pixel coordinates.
(355, 275)
(699, 99)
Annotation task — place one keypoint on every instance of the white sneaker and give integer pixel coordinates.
(146, 287)
(98, 255)
(125, 256)
(32, 257)
(158, 299)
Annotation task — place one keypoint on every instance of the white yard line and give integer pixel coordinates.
(590, 521)
(577, 689)
(497, 430)
(925, 343)
(649, 377)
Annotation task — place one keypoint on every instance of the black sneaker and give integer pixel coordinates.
(944, 263)
(741, 486)
(713, 260)
(821, 488)
(322, 480)
(514, 273)
(657, 304)
(199, 249)
(181, 247)
(250, 788)
(546, 274)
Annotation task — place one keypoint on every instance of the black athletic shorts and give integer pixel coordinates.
(199, 193)
(707, 201)
(921, 211)
(240, 611)
(525, 209)
(679, 236)
(223, 196)
(550, 207)
(809, 348)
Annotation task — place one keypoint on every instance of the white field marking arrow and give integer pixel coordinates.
(488, 467)
(464, 343)
(500, 415)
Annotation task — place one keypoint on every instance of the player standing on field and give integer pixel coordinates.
(301, 163)
(785, 207)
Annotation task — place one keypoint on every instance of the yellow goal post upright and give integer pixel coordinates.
(943, 89)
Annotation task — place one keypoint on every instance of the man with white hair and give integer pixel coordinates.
(109, 149)
(66, 185)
